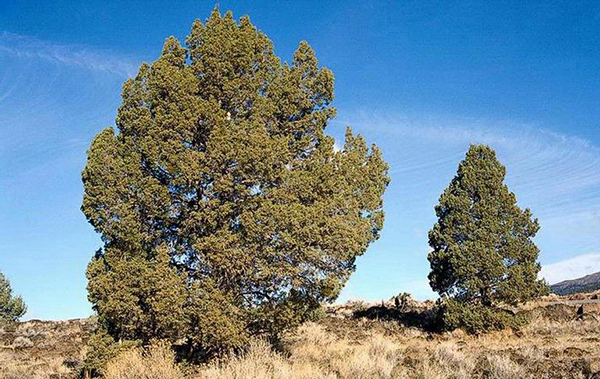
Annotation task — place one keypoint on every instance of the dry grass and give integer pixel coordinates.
(156, 362)
(498, 366)
(552, 345)
(260, 362)
(39, 368)
(376, 351)
(448, 361)
(43, 349)
(316, 354)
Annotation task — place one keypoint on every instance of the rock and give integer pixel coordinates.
(22, 343)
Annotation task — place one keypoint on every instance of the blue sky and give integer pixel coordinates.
(422, 80)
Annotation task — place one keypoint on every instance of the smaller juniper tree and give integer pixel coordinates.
(483, 253)
(11, 307)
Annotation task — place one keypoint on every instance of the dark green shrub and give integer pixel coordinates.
(476, 318)
(101, 349)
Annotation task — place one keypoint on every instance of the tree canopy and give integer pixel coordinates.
(483, 249)
(224, 208)
(12, 307)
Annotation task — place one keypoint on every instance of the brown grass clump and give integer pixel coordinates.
(314, 353)
(42, 349)
(554, 344)
(39, 368)
(261, 362)
(499, 366)
(155, 362)
(342, 348)
(448, 361)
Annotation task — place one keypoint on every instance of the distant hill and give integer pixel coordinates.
(588, 283)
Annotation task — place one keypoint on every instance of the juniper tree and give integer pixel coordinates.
(12, 307)
(224, 208)
(483, 250)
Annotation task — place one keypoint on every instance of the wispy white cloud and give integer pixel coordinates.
(73, 55)
(53, 99)
(560, 173)
(571, 268)
(556, 175)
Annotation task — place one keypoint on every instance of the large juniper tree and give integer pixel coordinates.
(12, 307)
(483, 253)
(224, 208)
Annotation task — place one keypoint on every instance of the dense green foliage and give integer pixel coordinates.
(101, 349)
(12, 307)
(475, 318)
(224, 208)
(483, 253)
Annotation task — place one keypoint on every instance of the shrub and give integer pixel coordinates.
(476, 318)
(101, 349)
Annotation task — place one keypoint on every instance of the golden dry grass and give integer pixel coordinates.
(378, 357)
(552, 345)
(38, 368)
(156, 362)
(42, 349)
(316, 354)
(543, 349)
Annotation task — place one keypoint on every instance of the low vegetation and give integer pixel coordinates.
(351, 341)
(43, 349)
(340, 348)
(155, 362)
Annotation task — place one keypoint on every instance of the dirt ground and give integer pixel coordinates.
(557, 342)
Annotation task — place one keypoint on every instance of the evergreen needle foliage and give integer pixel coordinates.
(483, 253)
(224, 209)
(12, 307)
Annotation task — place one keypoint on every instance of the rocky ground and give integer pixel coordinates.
(557, 342)
(384, 340)
(43, 349)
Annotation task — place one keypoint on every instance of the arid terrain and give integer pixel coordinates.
(354, 340)
(43, 349)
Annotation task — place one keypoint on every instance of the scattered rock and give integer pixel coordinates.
(22, 343)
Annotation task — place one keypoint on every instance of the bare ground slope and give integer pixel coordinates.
(358, 340)
(43, 349)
